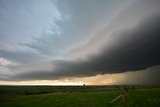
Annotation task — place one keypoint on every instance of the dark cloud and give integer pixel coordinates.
(135, 49)
(127, 18)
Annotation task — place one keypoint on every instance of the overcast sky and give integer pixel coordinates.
(79, 41)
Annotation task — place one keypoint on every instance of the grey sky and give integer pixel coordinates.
(43, 38)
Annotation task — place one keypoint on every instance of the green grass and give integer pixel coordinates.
(149, 97)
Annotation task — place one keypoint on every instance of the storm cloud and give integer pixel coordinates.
(136, 48)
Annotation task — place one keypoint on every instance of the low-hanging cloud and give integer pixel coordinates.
(135, 49)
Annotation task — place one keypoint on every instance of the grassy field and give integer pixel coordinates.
(75, 96)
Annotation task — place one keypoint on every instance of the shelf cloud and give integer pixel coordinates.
(135, 49)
